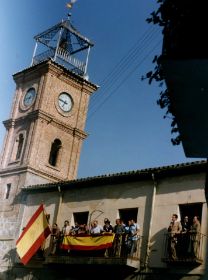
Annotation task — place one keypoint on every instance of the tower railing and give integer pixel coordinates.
(43, 56)
(62, 55)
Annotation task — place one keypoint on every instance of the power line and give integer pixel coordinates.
(113, 92)
(130, 52)
(141, 44)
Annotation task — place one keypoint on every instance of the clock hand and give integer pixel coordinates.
(27, 99)
(63, 101)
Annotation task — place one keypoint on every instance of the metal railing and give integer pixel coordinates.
(184, 247)
(62, 55)
(122, 247)
(43, 56)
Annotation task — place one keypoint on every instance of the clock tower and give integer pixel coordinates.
(45, 131)
(46, 127)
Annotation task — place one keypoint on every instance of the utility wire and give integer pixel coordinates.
(122, 66)
(121, 72)
(127, 76)
(131, 51)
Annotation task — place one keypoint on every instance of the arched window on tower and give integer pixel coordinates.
(20, 141)
(8, 189)
(55, 151)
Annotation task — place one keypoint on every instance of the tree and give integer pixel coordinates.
(183, 26)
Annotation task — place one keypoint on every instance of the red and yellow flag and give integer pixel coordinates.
(88, 242)
(33, 235)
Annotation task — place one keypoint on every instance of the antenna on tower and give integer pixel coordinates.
(70, 5)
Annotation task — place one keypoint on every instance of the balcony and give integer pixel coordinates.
(115, 253)
(189, 248)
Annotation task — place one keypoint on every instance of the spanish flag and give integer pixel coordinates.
(33, 235)
(88, 242)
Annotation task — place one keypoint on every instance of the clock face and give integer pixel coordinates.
(29, 97)
(65, 102)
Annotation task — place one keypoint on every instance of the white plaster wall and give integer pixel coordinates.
(171, 192)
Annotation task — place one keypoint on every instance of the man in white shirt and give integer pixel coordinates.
(96, 229)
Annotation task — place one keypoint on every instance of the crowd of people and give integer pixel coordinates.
(183, 237)
(125, 241)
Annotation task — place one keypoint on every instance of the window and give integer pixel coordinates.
(81, 217)
(8, 189)
(54, 153)
(18, 146)
(20, 141)
(128, 214)
(190, 210)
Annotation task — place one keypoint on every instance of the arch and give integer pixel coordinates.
(54, 152)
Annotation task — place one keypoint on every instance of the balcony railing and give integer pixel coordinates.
(184, 248)
(120, 252)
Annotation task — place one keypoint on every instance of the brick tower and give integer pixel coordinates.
(45, 130)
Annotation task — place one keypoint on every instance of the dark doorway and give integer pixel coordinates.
(81, 217)
(128, 214)
(191, 210)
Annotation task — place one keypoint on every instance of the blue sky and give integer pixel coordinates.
(126, 127)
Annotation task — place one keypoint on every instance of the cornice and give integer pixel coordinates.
(13, 170)
(65, 127)
(31, 73)
(38, 114)
(79, 133)
(23, 169)
(56, 69)
(9, 123)
(44, 174)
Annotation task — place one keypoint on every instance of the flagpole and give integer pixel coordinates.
(60, 202)
(43, 246)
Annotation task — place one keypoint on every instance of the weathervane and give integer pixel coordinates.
(70, 5)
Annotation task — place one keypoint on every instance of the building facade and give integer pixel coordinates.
(39, 164)
(150, 196)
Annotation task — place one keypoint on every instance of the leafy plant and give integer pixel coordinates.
(168, 16)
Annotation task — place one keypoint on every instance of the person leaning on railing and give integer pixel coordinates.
(195, 236)
(119, 230)
(74, 229)
(96, 228)
(184, 238)
(65, 231)
(55, 239)
(107, 228)
(132, 231)
(174, 229)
